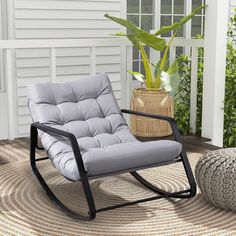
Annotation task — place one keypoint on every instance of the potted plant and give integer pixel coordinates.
(159, 83)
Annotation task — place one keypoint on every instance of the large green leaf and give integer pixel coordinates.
(176, 25)
(133, 40)
(173, 69)
(138, 35)
(138, 76)
(163, 61)
(151, 40)
(166, 29)
(174, 77)
(157, 67)
(147, 67)
(128, 24)
(131, 37)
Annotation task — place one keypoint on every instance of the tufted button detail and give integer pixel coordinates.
(87, 108)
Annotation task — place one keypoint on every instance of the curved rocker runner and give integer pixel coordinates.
(81, 127)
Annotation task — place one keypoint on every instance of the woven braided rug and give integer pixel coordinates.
(25, 209)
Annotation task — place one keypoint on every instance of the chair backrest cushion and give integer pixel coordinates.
(87, 108)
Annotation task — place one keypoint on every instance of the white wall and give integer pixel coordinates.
(62, 19)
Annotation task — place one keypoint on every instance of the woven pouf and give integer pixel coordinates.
(216, 176)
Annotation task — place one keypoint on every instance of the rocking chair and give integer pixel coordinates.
(86, 136)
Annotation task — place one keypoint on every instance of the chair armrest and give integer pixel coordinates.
(71, 137)
(170, 120)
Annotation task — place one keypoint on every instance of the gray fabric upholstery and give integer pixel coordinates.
(87, 108)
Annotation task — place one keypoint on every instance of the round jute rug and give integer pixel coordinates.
(26, 210)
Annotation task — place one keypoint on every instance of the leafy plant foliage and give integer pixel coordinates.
(230, 87)
(182, 99)
(140, 38)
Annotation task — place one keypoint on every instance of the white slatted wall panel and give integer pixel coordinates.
(63, 19)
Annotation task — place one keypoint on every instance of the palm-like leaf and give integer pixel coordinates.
(138, 35)
(138, 76)
(139, 38)
(176, 25)
(128, 24)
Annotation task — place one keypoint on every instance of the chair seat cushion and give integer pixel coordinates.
(120, 158)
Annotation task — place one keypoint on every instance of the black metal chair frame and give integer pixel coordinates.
(85, 179)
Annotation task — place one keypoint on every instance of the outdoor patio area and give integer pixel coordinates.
(117, 117)
(25, 206)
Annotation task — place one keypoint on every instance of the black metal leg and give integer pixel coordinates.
(189, 174)
(92, 210)
(181, 194)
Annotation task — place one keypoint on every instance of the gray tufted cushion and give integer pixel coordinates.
(87, 108)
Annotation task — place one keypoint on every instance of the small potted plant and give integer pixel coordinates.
(159, 83)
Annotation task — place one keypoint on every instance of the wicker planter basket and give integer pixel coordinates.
(151, 102)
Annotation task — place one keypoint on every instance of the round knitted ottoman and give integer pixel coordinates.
(216, 176)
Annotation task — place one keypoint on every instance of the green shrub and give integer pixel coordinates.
(230, 98)
(182, 99)
(230, 88)
(199, 90)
